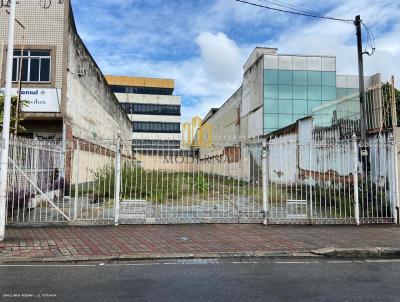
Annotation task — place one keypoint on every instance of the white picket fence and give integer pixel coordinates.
(229, 181)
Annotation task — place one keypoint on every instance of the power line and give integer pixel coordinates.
(293, 9)
(370, 39)
(296, 12)
(290, 6)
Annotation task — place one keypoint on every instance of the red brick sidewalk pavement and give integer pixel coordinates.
(173, 240)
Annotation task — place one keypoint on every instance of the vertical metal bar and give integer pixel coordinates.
(310, 181)
(355, 179)
(394, 178)
(265, 181)
(76, 180)
(117, 178)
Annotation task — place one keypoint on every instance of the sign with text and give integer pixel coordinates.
(39, 99)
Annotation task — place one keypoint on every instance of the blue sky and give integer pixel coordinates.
(203, 44)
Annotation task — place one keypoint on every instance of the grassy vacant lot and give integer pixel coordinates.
(163, 187)
(137, 183)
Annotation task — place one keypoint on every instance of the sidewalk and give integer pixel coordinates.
(73, 243)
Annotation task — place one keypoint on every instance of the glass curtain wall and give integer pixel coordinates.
(294, 86)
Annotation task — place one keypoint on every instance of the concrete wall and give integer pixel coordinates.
(170, 163)
(352, 81)
(224, 122)
(154, 118)
(157, 136)
(148, 98)
(251, 112)
(225, 162)
(86, 163)
(248, 99)
(296, 156)
(92, 110)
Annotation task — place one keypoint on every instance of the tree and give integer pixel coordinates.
(397, 93)
(14, 110)
(387, 93)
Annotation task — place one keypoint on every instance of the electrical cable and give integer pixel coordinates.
(370, 39)
(289, 6)
(296, 12)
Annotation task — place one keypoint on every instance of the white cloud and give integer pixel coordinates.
(203, 44)
(208, 80)
(338, 39)
(221, 57)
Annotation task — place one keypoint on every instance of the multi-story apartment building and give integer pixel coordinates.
(66, 91)
(153, 109)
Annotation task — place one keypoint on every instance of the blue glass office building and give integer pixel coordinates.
(294, 85)
(279, 89)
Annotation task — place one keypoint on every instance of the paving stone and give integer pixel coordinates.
(143, 241)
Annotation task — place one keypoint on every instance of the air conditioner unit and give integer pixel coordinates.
(81, 71)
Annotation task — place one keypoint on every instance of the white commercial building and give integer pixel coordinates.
(151, 106)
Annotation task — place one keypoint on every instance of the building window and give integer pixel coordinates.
(36, 66)
(142, 90)
(151, 109)
(156, 144)
(156, 127)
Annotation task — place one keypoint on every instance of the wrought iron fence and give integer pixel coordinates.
(228, 181)
(342, 182)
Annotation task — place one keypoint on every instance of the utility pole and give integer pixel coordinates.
(21, 58)
(6, 121)
(19, 76)
(357, 23)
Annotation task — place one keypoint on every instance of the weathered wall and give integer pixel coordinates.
(224, 123)
(85, 165)
(251, 113)
(226, 162)
(148, 98)
(92, 110)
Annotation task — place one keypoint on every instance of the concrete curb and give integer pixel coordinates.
(367, 252)
(152, 256)
(330, 252)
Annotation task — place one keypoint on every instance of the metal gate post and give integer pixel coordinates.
(76, 165)
(117, 178)
(310, 185)
(355, 179)
(395, 178)
(265, 179)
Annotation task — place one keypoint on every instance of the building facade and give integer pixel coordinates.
(279, 89)
(66, 92)
(154, 111)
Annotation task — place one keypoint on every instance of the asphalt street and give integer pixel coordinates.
(205, 280)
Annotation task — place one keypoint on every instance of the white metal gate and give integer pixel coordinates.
(35, 181)
(331, 183)
(228, 181)
(217, 183)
